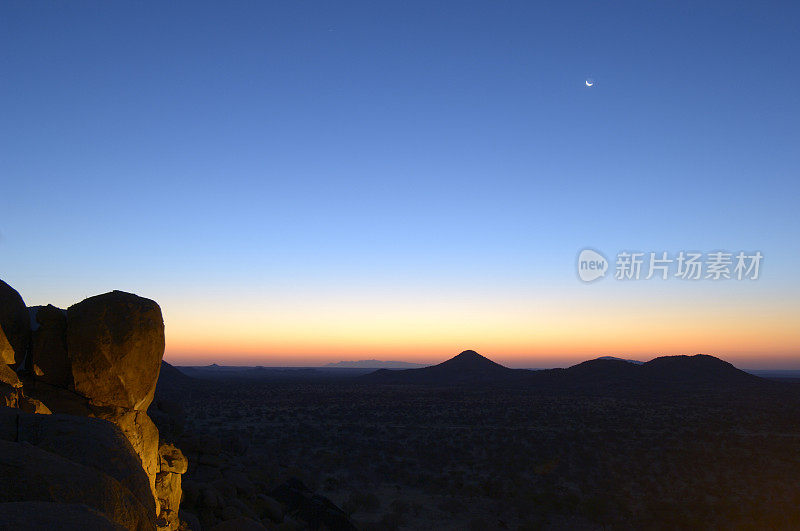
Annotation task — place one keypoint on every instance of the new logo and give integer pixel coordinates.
(591, 265)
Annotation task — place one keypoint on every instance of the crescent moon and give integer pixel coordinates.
(588, 84)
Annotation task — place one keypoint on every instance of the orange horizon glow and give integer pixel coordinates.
(554, 332)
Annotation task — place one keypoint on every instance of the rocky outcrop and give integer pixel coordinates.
(15, 323)
(72, 437)
(49, 515)
(171, 464)
(100, 358)
(115, 343)
(6, 350)
(317, 511)
(141, 433)
(69, 460)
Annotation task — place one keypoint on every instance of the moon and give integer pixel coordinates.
(589, 83)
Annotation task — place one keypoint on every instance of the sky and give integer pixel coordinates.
(301, 182)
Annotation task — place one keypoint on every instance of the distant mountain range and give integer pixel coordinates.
(376, 364)
(606, 375)
(667, 373)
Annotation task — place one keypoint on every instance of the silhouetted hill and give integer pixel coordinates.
(598, 376)
(698, 369)
(171, 375)
(172, 383)
(666, 374)
(467, 367)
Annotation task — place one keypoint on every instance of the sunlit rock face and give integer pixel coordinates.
(115, 342)
(6, 350)
(10, 385)
(172, 464)
(99, 358)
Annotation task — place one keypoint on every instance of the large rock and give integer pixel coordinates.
(10, 386)
(32, 405)
(51, 515)
(58, 399)
(168, 491)
(49, 345)
(89, 442)
(135, 426)
(9, 396)
(9, 377)
(15, 323)
(100, 358)
(171, 459)
(316, 511)
(6, 350)
(115, 342)
(240, 523)
(142, 434)
(30, 474)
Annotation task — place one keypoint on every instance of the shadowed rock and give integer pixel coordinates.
(49, 345)
(15, 323)
(32, 405)
(316, 511)
(72, 437)
(28, 473)
(52, 515)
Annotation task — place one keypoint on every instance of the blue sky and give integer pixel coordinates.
(262, 147)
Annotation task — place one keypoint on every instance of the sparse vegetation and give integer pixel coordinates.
(459, 458)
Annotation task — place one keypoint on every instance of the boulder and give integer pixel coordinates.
(31, 405)
(140, 431)
(316, 511)
(171, 459)
(269, 508)
(209, 497)
(9, 377)
(85, 441)
(115, 342)
(168, 491)
(9, 396)
(172, 464)
(16, 325)
(244, 487)
(51, 515)
(10, 386)
(100, 358)
(241, 523)
(190, 520)
(30, 474)
(191, 491)
(230, 512)
(49, 345)
(6, 350)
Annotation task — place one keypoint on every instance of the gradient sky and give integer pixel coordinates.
(304, 182)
